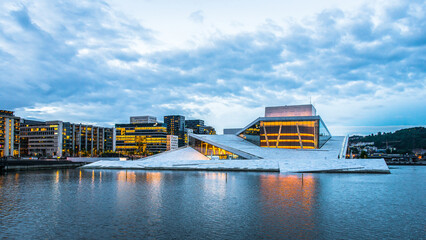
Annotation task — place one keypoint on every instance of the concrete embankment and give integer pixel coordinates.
(24, 165)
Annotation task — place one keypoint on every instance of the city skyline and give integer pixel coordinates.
(361, 64)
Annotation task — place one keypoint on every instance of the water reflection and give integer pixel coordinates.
(215, 184)
(126, 176)
(57, 177)
(154, 178)
(208, 205)
(93, 177)
(287, 200)
(79, 178)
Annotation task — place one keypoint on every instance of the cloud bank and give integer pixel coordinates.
(81, 61)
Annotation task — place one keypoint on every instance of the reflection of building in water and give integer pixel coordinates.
(153, 177)
(288, 199)
(126, 176)
(215, 184)
(216, 175)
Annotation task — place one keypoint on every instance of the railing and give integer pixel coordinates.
(342, 153)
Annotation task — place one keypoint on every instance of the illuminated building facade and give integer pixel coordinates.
(213, 150)
(9, 134)
(140, 138)
(289, 127)
(63, 139)
(287, 132)
(176, 126)
(294, 127)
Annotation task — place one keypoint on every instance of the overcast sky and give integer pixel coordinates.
(362, 63)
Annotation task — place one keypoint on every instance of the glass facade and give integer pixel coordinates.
(288, 134)
(252, 134)
(141, 139)
(176, 126)
(211, 151)
(64, 139)
(292, 134)
(324, 134)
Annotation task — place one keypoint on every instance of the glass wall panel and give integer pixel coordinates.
(252, 134)
(288, 134)
(211, 150)
(324, 134)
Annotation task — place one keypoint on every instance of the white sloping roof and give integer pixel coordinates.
(330, 149)
(185, 153)
(273, 159)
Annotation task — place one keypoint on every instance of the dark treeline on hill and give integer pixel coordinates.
(404, 140)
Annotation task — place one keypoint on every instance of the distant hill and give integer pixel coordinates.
(404, 140)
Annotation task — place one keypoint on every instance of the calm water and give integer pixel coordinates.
(76, 204)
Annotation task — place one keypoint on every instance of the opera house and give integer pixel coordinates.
(286, 139)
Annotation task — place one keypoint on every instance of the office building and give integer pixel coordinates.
(9, 134)
(198, 127)
(140, 138)
(209, 130)
(64, 139)
(176, 126)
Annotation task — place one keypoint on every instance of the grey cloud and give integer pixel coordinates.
(335, 56)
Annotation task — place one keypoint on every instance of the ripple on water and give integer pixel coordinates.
(78, 204)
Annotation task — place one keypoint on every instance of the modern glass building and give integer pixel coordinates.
(64, 139)
(176, 126)
(141, 138)
(307, 132)
(293, 127)
(288, 127)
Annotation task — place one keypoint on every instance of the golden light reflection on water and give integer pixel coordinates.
(93, 177)
(291, 195)
(154, 178)
(216, 175)
(79, 178)
(57, 177)
(126, 176)
(215, 184)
